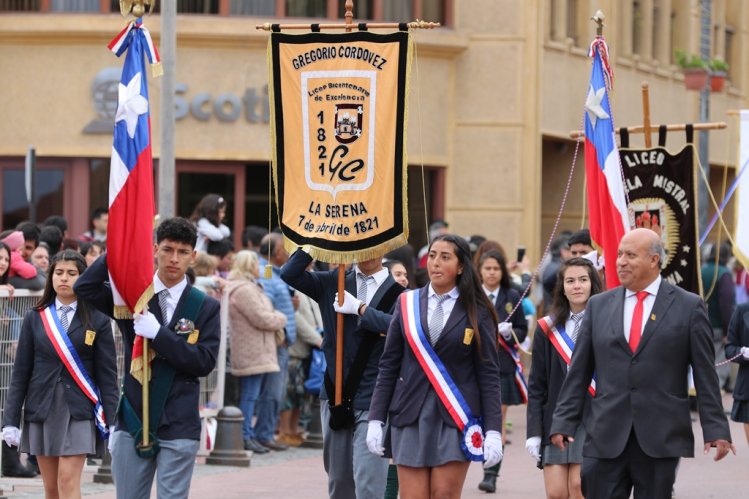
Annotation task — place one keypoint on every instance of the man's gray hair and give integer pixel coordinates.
(656, 248)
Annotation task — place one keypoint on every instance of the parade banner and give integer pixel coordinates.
(662, 190)
(338, 120)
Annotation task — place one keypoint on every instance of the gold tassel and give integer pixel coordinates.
(122, 312)
(144, 299)
(268, 273)
(136, 367)
(157, 70)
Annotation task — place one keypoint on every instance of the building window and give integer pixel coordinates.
(75, 6)
(49, 195)
(309, 8)
(20, 5)
(252, 7)
(98, 183)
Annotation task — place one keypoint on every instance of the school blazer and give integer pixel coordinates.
(322, 287)
(181, 416)
(37, 369)
(402, 385)
(505, 298)
(738, 336)
(644, 391)
(548, 371)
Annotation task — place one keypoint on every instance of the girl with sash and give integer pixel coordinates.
(553, 344)
(65, 379)
(438, 382)
(496, 285)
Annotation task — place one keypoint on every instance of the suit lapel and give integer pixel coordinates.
(381, 290)
(499, 304)
(617, 312)
(350, 282)
(663, 301)
(178, 309)
(424, 310)
(155, 309)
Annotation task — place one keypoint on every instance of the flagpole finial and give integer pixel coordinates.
(598, 18)
(136, 7)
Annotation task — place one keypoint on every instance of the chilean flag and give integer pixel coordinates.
(131, 195)
(609, 220)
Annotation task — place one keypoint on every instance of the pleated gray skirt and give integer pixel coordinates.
(429, 442)
(572, 454)
(59, 434)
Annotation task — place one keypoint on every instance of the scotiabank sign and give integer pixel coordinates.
(252, 106)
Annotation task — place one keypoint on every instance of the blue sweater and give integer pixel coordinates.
(280, 296)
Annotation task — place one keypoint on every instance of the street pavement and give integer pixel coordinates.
(299, 473)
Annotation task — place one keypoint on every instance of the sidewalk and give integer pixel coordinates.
(299, 473)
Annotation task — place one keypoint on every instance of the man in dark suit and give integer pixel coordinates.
(187, 350)
(640, 339)
(352, 470)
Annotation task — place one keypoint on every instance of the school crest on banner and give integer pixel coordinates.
(338, 118)
(662, 197)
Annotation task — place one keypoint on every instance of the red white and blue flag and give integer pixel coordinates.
(609, 220)
(131, 195)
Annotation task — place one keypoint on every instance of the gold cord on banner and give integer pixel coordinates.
(421, 145)
(724, 188)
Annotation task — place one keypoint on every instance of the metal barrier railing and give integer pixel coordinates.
(12, 311)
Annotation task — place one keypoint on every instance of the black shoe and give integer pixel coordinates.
(273, 445)
(255, 447)
(489, 483)
(19, 472)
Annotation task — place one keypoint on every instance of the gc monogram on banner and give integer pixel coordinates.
(338, 118)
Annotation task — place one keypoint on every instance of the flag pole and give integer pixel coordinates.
(646, 115)
(146, 378)
(349, 16)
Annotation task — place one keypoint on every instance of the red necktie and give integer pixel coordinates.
(635, 330)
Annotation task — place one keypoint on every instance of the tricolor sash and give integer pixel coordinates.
(563, 344)
(519, 378)
(447, 391)
(73, 363)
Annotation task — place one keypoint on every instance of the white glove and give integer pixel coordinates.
(146, 325)
(375, 438)
(12, 436)
(350, 304)
(110, 440)
(745, 352)
(492, 448)
(505, 329)
(533, 446)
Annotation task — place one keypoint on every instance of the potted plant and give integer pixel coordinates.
(694, 69)
(718, 72)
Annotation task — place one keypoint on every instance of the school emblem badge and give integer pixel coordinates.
(348, 122)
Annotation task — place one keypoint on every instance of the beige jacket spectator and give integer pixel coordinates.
(253, 320)
(308, 322)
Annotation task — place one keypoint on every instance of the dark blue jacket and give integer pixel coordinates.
(181, 417)
(738, 336)
(322, 287)
(402, 384)
(37, 369)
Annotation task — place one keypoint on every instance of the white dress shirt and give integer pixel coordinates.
(630, 300)
(73, 306)
(495, 293)
(372, 284)
(175, 292)
(447, 305)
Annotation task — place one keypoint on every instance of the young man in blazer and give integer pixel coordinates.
(352, 470)
(640, 339)
(191, 356)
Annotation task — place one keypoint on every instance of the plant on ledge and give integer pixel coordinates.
(718, 72)
(695, 70)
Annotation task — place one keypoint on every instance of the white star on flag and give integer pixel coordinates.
(684, 263)
(686, 248)
(131, 104)
(593, 105)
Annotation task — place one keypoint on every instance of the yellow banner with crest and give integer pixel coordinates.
(338, 124)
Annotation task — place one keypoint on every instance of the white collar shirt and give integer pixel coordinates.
(175, 292)
(447, 304)
(71, 313)
(372, 284)
(630, 300)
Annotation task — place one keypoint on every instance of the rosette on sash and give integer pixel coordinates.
(447, 391)
(73, 363)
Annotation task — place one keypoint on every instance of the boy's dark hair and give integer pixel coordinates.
(177, 229)
(253, 234)
(96, 214)
(30, 231)
(58, 222)
(582, 236)
(220, 248)
(52, 235)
